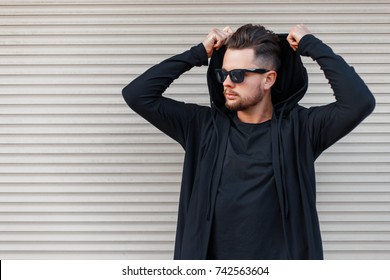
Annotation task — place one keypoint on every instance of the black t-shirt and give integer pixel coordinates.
(247, 222)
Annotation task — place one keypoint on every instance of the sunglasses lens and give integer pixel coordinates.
(237, 76)
(221, 75)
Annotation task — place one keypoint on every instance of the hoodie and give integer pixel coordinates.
(299, 135)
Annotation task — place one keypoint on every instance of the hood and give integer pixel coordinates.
(290, 86)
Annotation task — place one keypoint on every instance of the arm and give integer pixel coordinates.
(144, 94)
(354, 101)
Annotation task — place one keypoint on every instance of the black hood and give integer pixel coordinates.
(290, 86)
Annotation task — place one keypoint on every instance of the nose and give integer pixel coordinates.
(228, 82)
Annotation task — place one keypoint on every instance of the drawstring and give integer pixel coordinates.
(281, 164)
(279, 171)
(209, 203)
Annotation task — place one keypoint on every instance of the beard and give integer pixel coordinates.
(240, 103)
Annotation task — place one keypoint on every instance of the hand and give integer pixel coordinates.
(216, 39)
(296, 34)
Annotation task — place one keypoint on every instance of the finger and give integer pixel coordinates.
(220, 38)
(228, 30)
(213, 37)
(291, 40)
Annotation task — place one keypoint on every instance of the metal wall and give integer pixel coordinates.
(83, 177)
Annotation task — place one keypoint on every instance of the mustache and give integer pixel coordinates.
(229, 91)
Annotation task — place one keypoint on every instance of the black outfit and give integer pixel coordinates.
(247, 199)
(220, 191)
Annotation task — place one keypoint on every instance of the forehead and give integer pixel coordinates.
(235, 59)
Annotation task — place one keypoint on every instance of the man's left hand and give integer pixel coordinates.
(296, 34)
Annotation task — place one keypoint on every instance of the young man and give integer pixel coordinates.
(248, 186)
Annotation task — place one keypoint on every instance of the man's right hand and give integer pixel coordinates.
(216, 39)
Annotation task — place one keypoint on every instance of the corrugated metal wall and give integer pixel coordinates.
(83, 177)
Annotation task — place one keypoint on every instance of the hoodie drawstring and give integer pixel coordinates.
(279, 171)
(278, 155)
(209, 195)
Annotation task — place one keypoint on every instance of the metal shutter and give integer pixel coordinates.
(83, 177)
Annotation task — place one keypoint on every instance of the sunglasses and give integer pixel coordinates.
(236, 75)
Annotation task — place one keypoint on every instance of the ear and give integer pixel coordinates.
(270, 78)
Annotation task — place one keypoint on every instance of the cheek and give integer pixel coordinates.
(249, 87)
(255, 87)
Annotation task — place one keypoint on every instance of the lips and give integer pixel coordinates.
(230, 95)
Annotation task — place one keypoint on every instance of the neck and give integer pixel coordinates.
(254, 119)
(260, 113)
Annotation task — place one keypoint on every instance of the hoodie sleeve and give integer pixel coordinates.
(144, 94)
(354, 101)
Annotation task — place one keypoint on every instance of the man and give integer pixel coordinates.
(248, 186)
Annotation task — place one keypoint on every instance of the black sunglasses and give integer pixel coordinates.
(236, 75)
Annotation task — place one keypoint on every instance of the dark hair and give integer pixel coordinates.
(264, 42)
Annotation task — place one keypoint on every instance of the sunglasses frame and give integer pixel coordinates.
(222, 74)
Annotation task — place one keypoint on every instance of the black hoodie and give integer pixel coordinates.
(299, 136)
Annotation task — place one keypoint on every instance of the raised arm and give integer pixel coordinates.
(354, 101)
(144, 94)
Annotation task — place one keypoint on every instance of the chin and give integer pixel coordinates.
(233, 106)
